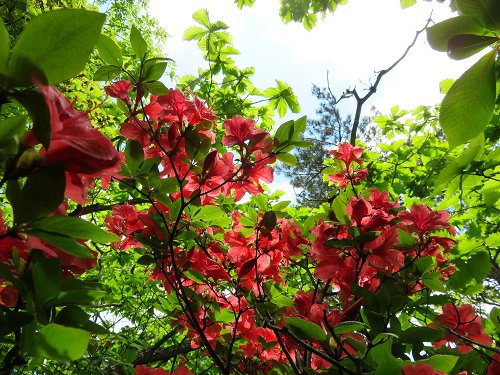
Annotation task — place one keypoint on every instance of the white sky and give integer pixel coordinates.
(363, 37)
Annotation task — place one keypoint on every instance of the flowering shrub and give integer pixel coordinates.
(251, 287)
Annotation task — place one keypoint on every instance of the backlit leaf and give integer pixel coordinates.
(467, 108)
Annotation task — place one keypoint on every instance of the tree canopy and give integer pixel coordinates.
(137, 235)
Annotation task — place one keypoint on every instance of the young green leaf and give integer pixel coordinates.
(138, 43)
(109, 51)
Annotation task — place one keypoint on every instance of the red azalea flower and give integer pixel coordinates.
(119, 90)
(494, 367)
(422, 219)
(420, 369)
(358, 209)
(176, 107)
(238, 131)
(348, 176)
(464, 321)
(347, 153)
(83, 149)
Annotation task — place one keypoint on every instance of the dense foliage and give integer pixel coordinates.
(127, 245)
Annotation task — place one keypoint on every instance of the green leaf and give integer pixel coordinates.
(465, 45)
(443, 363)
(13, 321)
(62, 242)
(285, 132)
(339, 208)
(134, 154)
(75, 297)
(55, 45)
(479, 266)
(201, 16)
(4, 52)
(61, 343)
(106, 73)
(439, 34)
(6, 273)
(407, 3)
(174, 209)
(194, 33)
(495, 317)
(487, 12)
(73, 227)
(433, 282)
(157, 88)
(346, 327)
(445, 85)
(305, 330)
(192, 143)
(281, 205)
(168, 185)
(413, 335)
(287, 158)
(47, 279)
(109, 51)
(10, 128)
(196, 276)
(41, 195)
(155, 72)
(269, 220)
(386, 363)
(39, 113)
(138, 43)
(74, 316)
(467, 108)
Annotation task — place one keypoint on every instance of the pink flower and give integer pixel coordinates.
(422, 219)
(119, 90)
(347, 153)
(464, 321)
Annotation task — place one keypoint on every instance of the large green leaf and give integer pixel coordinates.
(61, 343)
(56, 45)
(440, 34)
(487, 12)
(39, 113)
(62, 242)
(466, 45)
(10, 128)
(42, 193)
(420, 334)
(4, 52)
(479, 266)
(305, 330)
(443, 363)
(47, 279)
(73, 227)
(467, 108)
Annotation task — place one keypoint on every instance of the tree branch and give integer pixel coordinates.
(373, 88)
